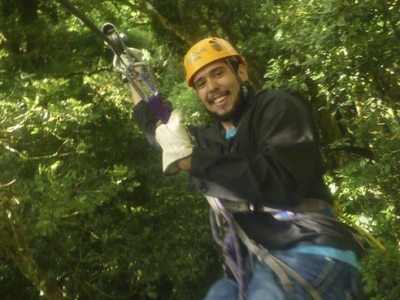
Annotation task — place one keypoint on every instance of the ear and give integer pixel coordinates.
(242, 72)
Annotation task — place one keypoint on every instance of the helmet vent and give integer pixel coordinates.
(216, 47)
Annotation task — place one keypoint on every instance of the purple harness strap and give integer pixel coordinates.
(230, 247)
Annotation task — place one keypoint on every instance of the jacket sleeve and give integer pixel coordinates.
(279, 165)
(147, 122)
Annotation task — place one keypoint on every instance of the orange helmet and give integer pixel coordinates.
(205, 52)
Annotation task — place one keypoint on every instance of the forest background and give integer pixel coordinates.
(85, 210)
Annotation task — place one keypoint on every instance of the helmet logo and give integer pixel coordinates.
(195, 55)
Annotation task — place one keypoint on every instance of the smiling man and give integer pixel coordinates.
(260, 163)
(217, 88)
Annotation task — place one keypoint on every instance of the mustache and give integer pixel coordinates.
(237, 109)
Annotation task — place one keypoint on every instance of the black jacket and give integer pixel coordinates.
(273, 160)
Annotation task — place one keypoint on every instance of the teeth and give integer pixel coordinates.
(219, 99)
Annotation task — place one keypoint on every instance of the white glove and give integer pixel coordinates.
(175, 140)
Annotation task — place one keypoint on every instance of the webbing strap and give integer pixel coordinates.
(306, 205)
(229, 243)
(281, 270)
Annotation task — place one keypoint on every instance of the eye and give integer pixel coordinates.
(200, 84)
(219, 73)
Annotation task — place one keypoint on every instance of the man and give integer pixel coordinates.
(261, 166)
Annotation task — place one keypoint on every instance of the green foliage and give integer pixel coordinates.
(383, 284)
(80, 189)
(85, 210)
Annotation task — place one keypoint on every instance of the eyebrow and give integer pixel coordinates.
(217, 68)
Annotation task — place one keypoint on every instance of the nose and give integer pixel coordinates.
(212, 84)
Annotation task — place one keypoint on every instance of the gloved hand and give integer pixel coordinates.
(122, 62)
(175, 140)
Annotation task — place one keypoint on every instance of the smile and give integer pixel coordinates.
(219, 99)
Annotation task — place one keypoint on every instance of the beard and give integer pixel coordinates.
(237, 109)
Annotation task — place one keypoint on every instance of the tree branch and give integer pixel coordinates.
(149, 9)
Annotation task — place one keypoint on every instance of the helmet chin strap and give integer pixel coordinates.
(243, 88)
(244, 91)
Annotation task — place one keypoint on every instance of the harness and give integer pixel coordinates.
(221, 219)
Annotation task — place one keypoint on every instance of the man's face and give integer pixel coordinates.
(219, 88)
